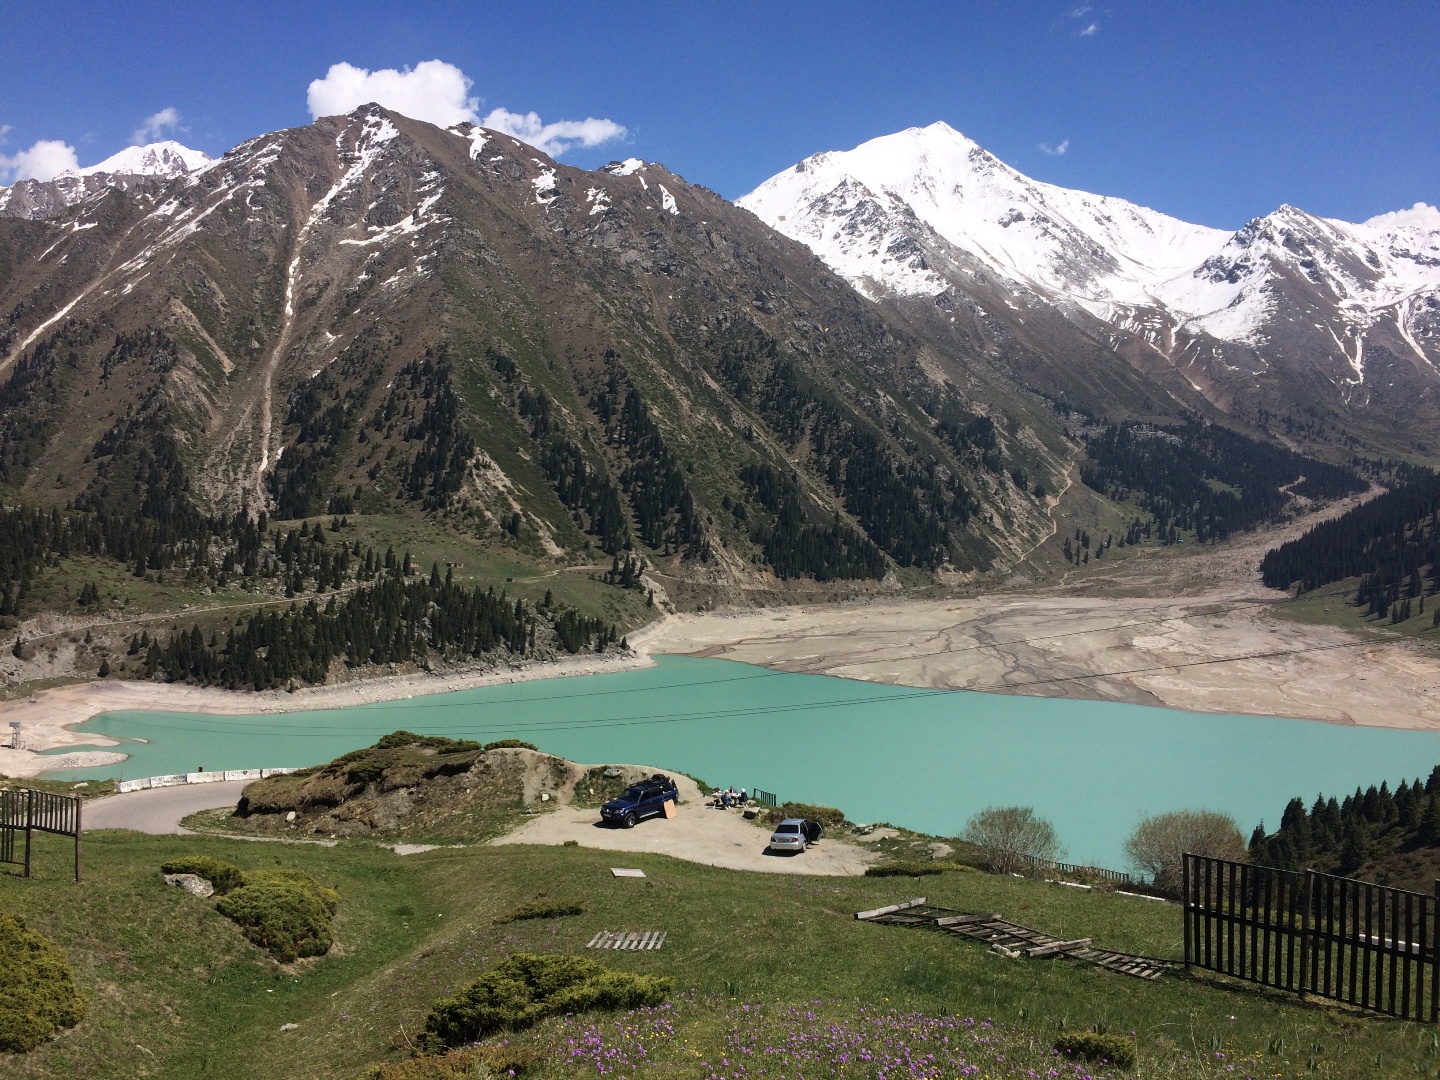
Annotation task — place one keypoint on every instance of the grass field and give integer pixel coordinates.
(1334, 605)
(175, 991)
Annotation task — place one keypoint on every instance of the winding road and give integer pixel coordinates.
(159, 811)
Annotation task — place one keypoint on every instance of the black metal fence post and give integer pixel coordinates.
(1187, 906)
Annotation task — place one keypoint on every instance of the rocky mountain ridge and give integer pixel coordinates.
(373, 315)
(1292, 313)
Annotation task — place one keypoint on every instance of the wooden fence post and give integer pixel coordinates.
(79, 806)
(1304, 974)
(29, 817)
(1434, 959)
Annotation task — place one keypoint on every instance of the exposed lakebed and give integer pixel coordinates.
(925, 759)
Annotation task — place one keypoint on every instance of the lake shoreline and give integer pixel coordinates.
(48, 718)
(1171, 652)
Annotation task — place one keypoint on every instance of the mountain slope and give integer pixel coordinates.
(371, 314)
(1293, 315)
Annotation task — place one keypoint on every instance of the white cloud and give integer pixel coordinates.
(45, 160)
(1058, 150)
(1091, 30)
(439, 93)
(155, 125)
(553, 139)
(433, 91)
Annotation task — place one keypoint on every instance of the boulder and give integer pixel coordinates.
(194, 884)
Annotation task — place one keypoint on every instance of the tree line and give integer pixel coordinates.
(1340, 836)
(401, 618)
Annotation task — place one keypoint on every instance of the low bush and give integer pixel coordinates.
(1117, 1050)
(286, 912)
(285, 875)
(826, 815)
(905, 868)
(397, 739)
(527, 988)
(220, 874)
(543, 909)
(480, 1062)
(37, 987)
(511, 744)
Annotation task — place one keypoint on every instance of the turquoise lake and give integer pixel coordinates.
(923, 759)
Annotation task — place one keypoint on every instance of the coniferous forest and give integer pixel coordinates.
(1206, 478)
(1375, 828)
(1392, 543)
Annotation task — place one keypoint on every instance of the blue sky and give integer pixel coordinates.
(1212, 111)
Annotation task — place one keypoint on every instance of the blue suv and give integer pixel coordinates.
(642, 800)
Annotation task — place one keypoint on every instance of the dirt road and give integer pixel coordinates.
(159, 811)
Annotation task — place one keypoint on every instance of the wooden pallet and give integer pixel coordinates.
(1000, 934)
(638, 939)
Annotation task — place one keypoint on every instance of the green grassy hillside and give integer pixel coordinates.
(175, 991)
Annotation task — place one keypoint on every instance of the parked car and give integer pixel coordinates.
(640, 801)
(795, 834)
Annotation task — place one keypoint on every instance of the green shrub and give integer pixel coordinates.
(397, 739)
(286, 912)
(905, 868)
(222, 875)
(365, 771)
(511, 744)
(285, 875)
(826, 815)
(480, 1062)
(543, 909)
(526, 988)
(1117, 1050)
(37, 987)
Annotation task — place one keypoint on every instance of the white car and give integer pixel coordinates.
(795, 834)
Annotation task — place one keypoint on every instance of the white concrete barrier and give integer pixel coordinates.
(175, 779)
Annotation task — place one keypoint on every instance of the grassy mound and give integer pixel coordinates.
(220, 874)
(542, 909)
(37, 987)
(419, 788)
(527, 988)
(286, 912)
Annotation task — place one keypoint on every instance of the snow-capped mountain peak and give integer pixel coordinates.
(156, 162)
(897, 215)
(166, 159)
(1091, 247)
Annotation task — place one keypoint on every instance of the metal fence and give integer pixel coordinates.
(765, 798)
(30, 811)
(1367, 945)
(1115, 877)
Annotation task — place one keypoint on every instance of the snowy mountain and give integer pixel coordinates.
(168, 158)
(920, 213)
(135, 165)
